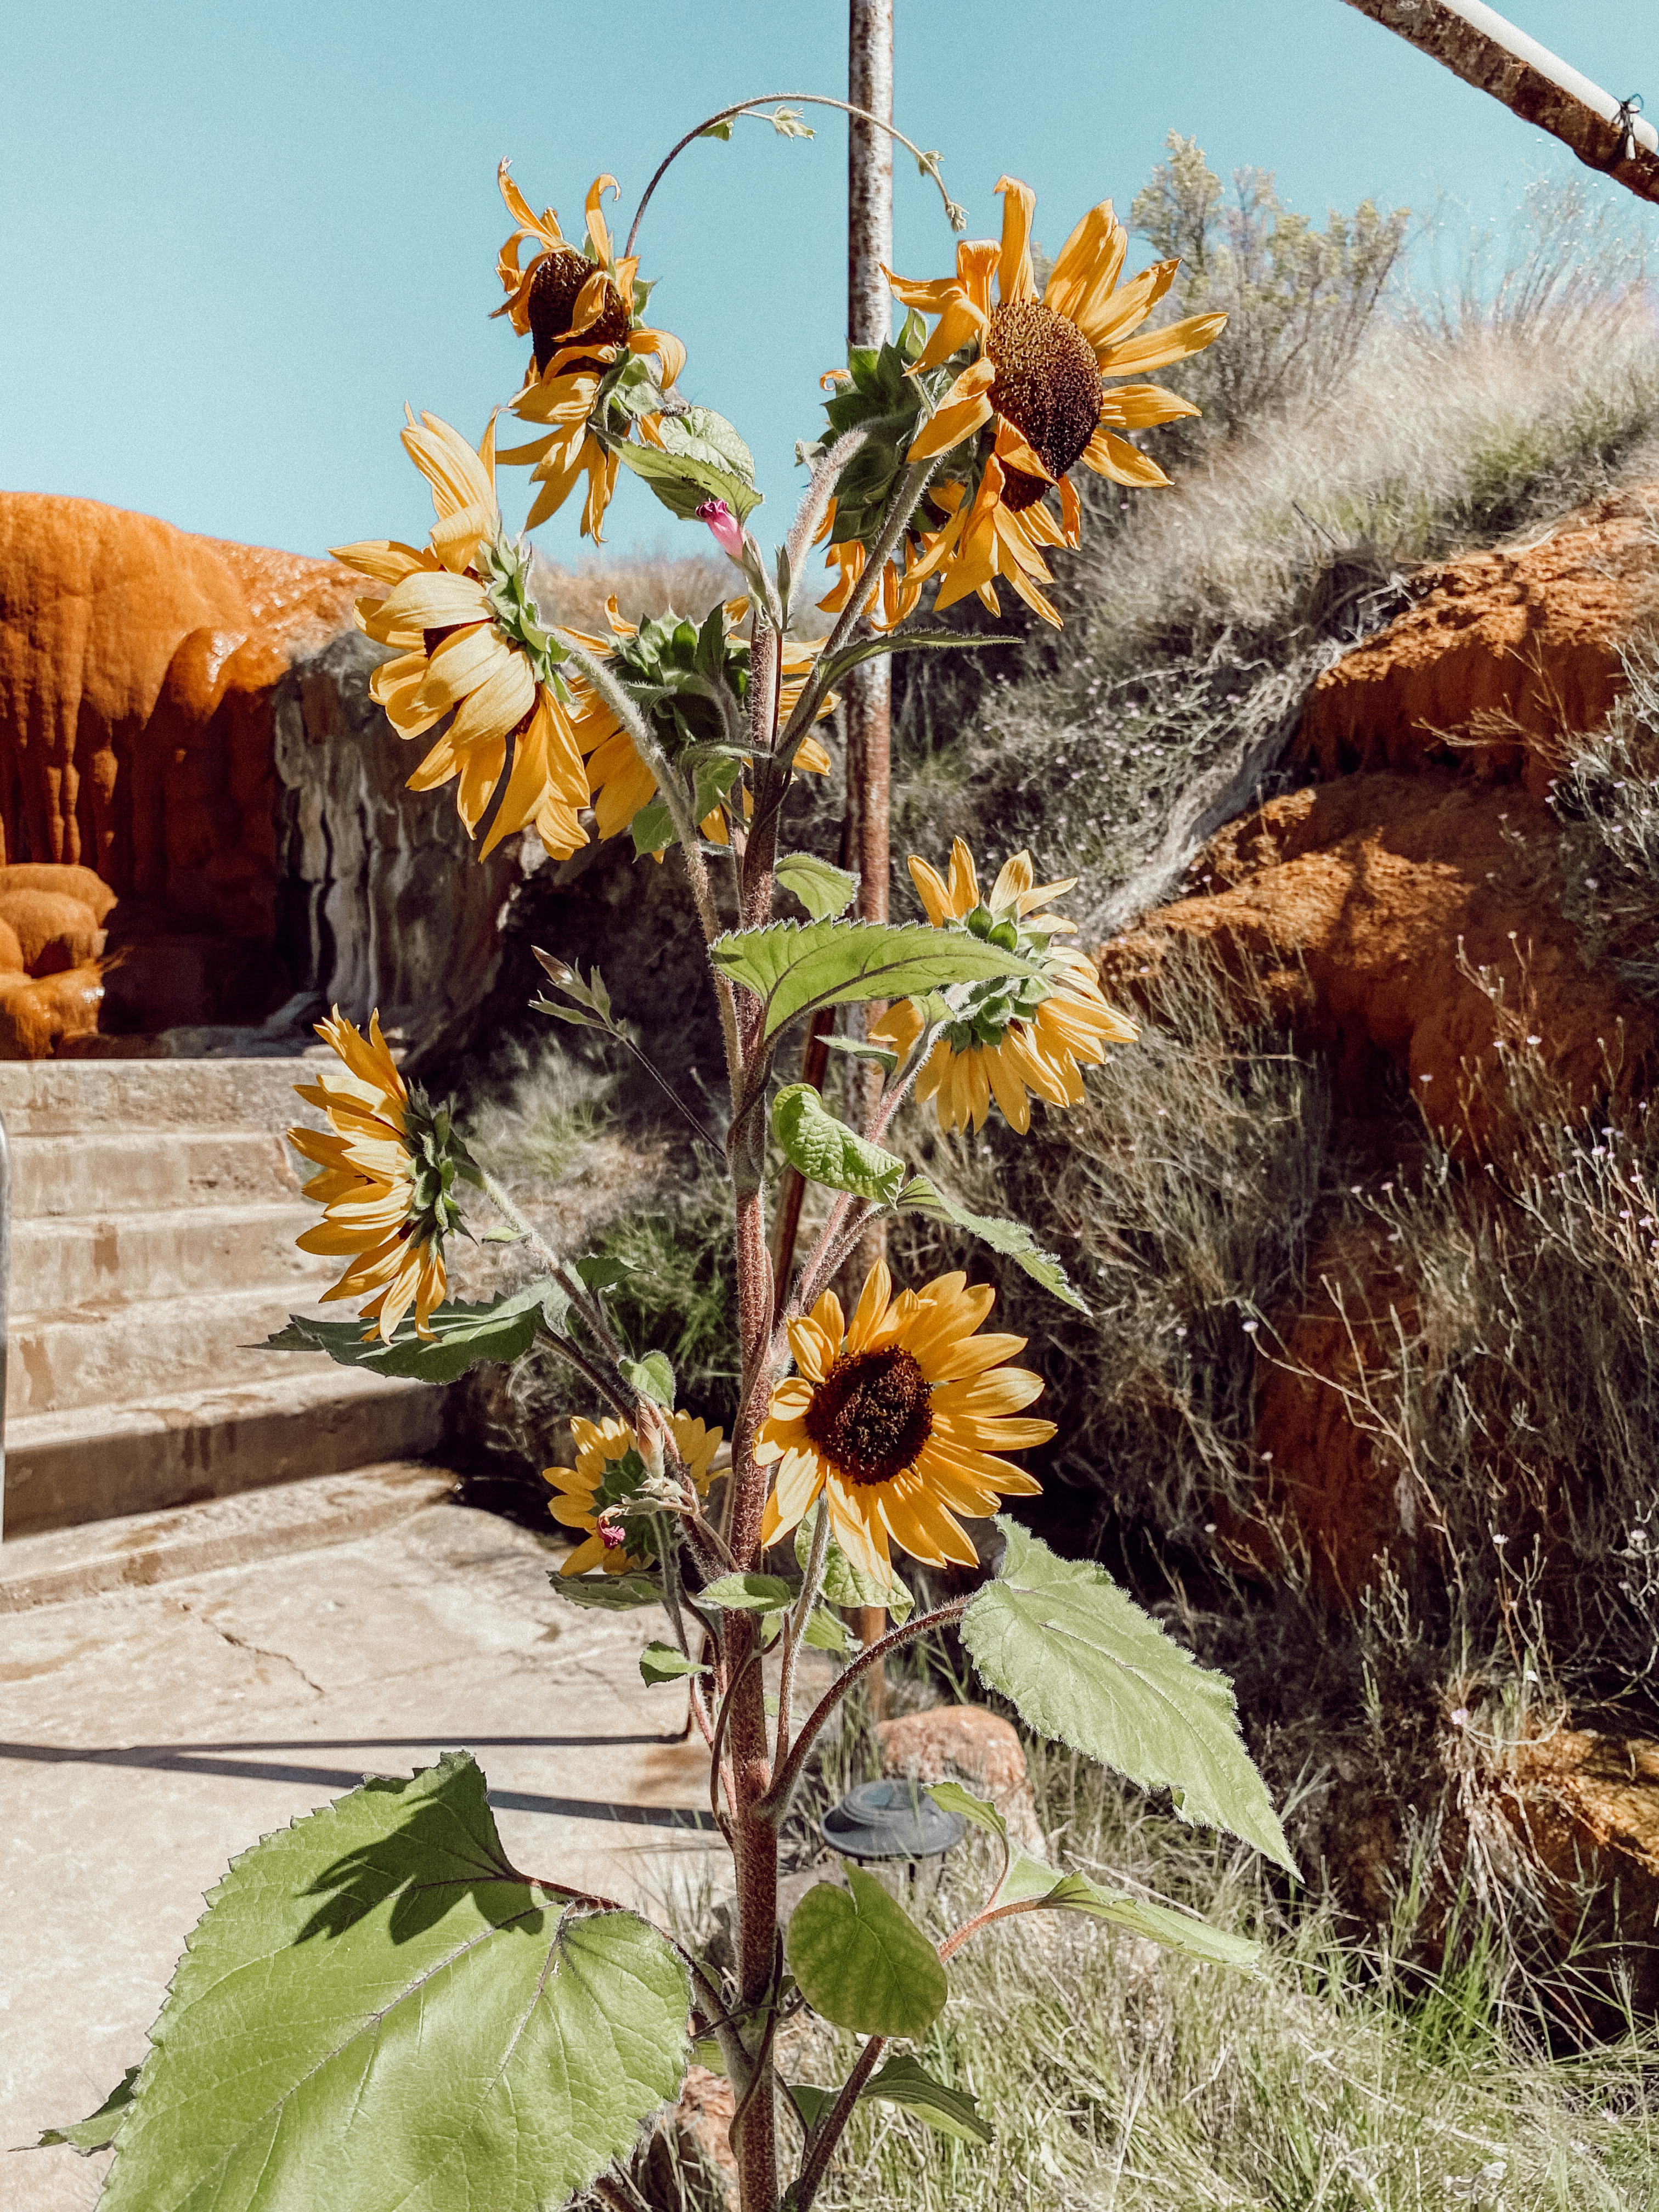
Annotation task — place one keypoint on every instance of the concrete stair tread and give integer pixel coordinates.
(240, 1305)
(131, 1551)
(311, 1384)
(71, 1097)
(52, 1176)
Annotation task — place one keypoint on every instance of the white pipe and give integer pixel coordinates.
(1503, 33)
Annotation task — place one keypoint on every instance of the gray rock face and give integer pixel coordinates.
(383, 901)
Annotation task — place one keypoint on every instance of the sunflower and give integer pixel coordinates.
(588, 366)
(608, 1471)
(897, 1420)
(1030, 393)
(1012, 1037)
(659, 656)
(472, 642)
(387, 1166)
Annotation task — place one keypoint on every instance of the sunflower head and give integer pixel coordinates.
(1026, 394)
(1010, 1036)
(606, 1495)
(898, 1420)
(388, 1163)
(590, 379)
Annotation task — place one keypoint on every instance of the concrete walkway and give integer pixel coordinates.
(161, 1722)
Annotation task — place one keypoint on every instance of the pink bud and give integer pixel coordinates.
(728, 530)
(613, 1537)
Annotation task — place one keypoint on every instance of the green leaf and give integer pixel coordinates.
(902, 2081)
(827, 1631)
(747, 1594)
(604, 1592)
(823, 890)
(720, 129)
(661, 1662)
(462, 1336)
(848, 1586)
(856, 1048)
(604, 1274)
(1083, 1664)
(504, 1235)
(810, 2102)
(952, 1797)
(652, 1376)
(794, 969)
(101, 2128)
(683, 483)
(377, 2011)
(1030, 1880)
(827, 1151)
(701, 434)
(862, 1962)
(937, 640)
(651, 829)
(1012, 1238)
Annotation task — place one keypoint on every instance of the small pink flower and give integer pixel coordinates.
(728, 530)
(612, 1536)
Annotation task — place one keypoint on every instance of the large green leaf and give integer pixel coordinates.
(462, 1336)
(902, 2081)
(1083, 1664)
(1012, 1238)
(701, 434)
(746, 1594)
(378, 2013)
(796, 968)
(604, 1593)
(823, 889)
(100, 2130)
(683, 482)
(862, 1962)
(1029, 1881)
(827, 1151)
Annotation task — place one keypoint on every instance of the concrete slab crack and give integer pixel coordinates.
(259, 1652)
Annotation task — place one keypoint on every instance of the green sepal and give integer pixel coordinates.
(377, 2010)
(827, 1151)
(903, 2081)
(462, 1336)
(662, 1662)
(100, 2129)
(604, 1593)
(1012, 1238)
(1085, 1665)
(796, 968)
(823, 889)
(862, 1962)
(746, 1594)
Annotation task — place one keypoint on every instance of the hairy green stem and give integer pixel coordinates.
(821, 2146)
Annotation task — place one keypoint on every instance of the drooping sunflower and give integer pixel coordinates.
(898, 1421)
(473, 644)
(1014, 1037)
(609, 1469)
(582, 311)
(387, 1165)
(670, 660)
(1030, 393)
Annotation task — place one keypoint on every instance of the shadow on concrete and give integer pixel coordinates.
(174, 1759)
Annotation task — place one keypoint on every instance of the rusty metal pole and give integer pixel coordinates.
(869, 688)
(1486, 50)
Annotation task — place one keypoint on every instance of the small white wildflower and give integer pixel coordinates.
(1535, 1040)
(1460, 1716)
(1251, 1327)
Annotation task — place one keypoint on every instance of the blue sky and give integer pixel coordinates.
(235, 241)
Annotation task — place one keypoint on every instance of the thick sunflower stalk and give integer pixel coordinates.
(532, 2027)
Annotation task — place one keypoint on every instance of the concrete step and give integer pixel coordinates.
(138, 1457)
(113, 1355)
(70, 1098)
(124, 1259)
(131, 1551)
(124, 1171)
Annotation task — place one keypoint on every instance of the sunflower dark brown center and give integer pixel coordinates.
(871, 1415)
(553, 291)
(1048, 386)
